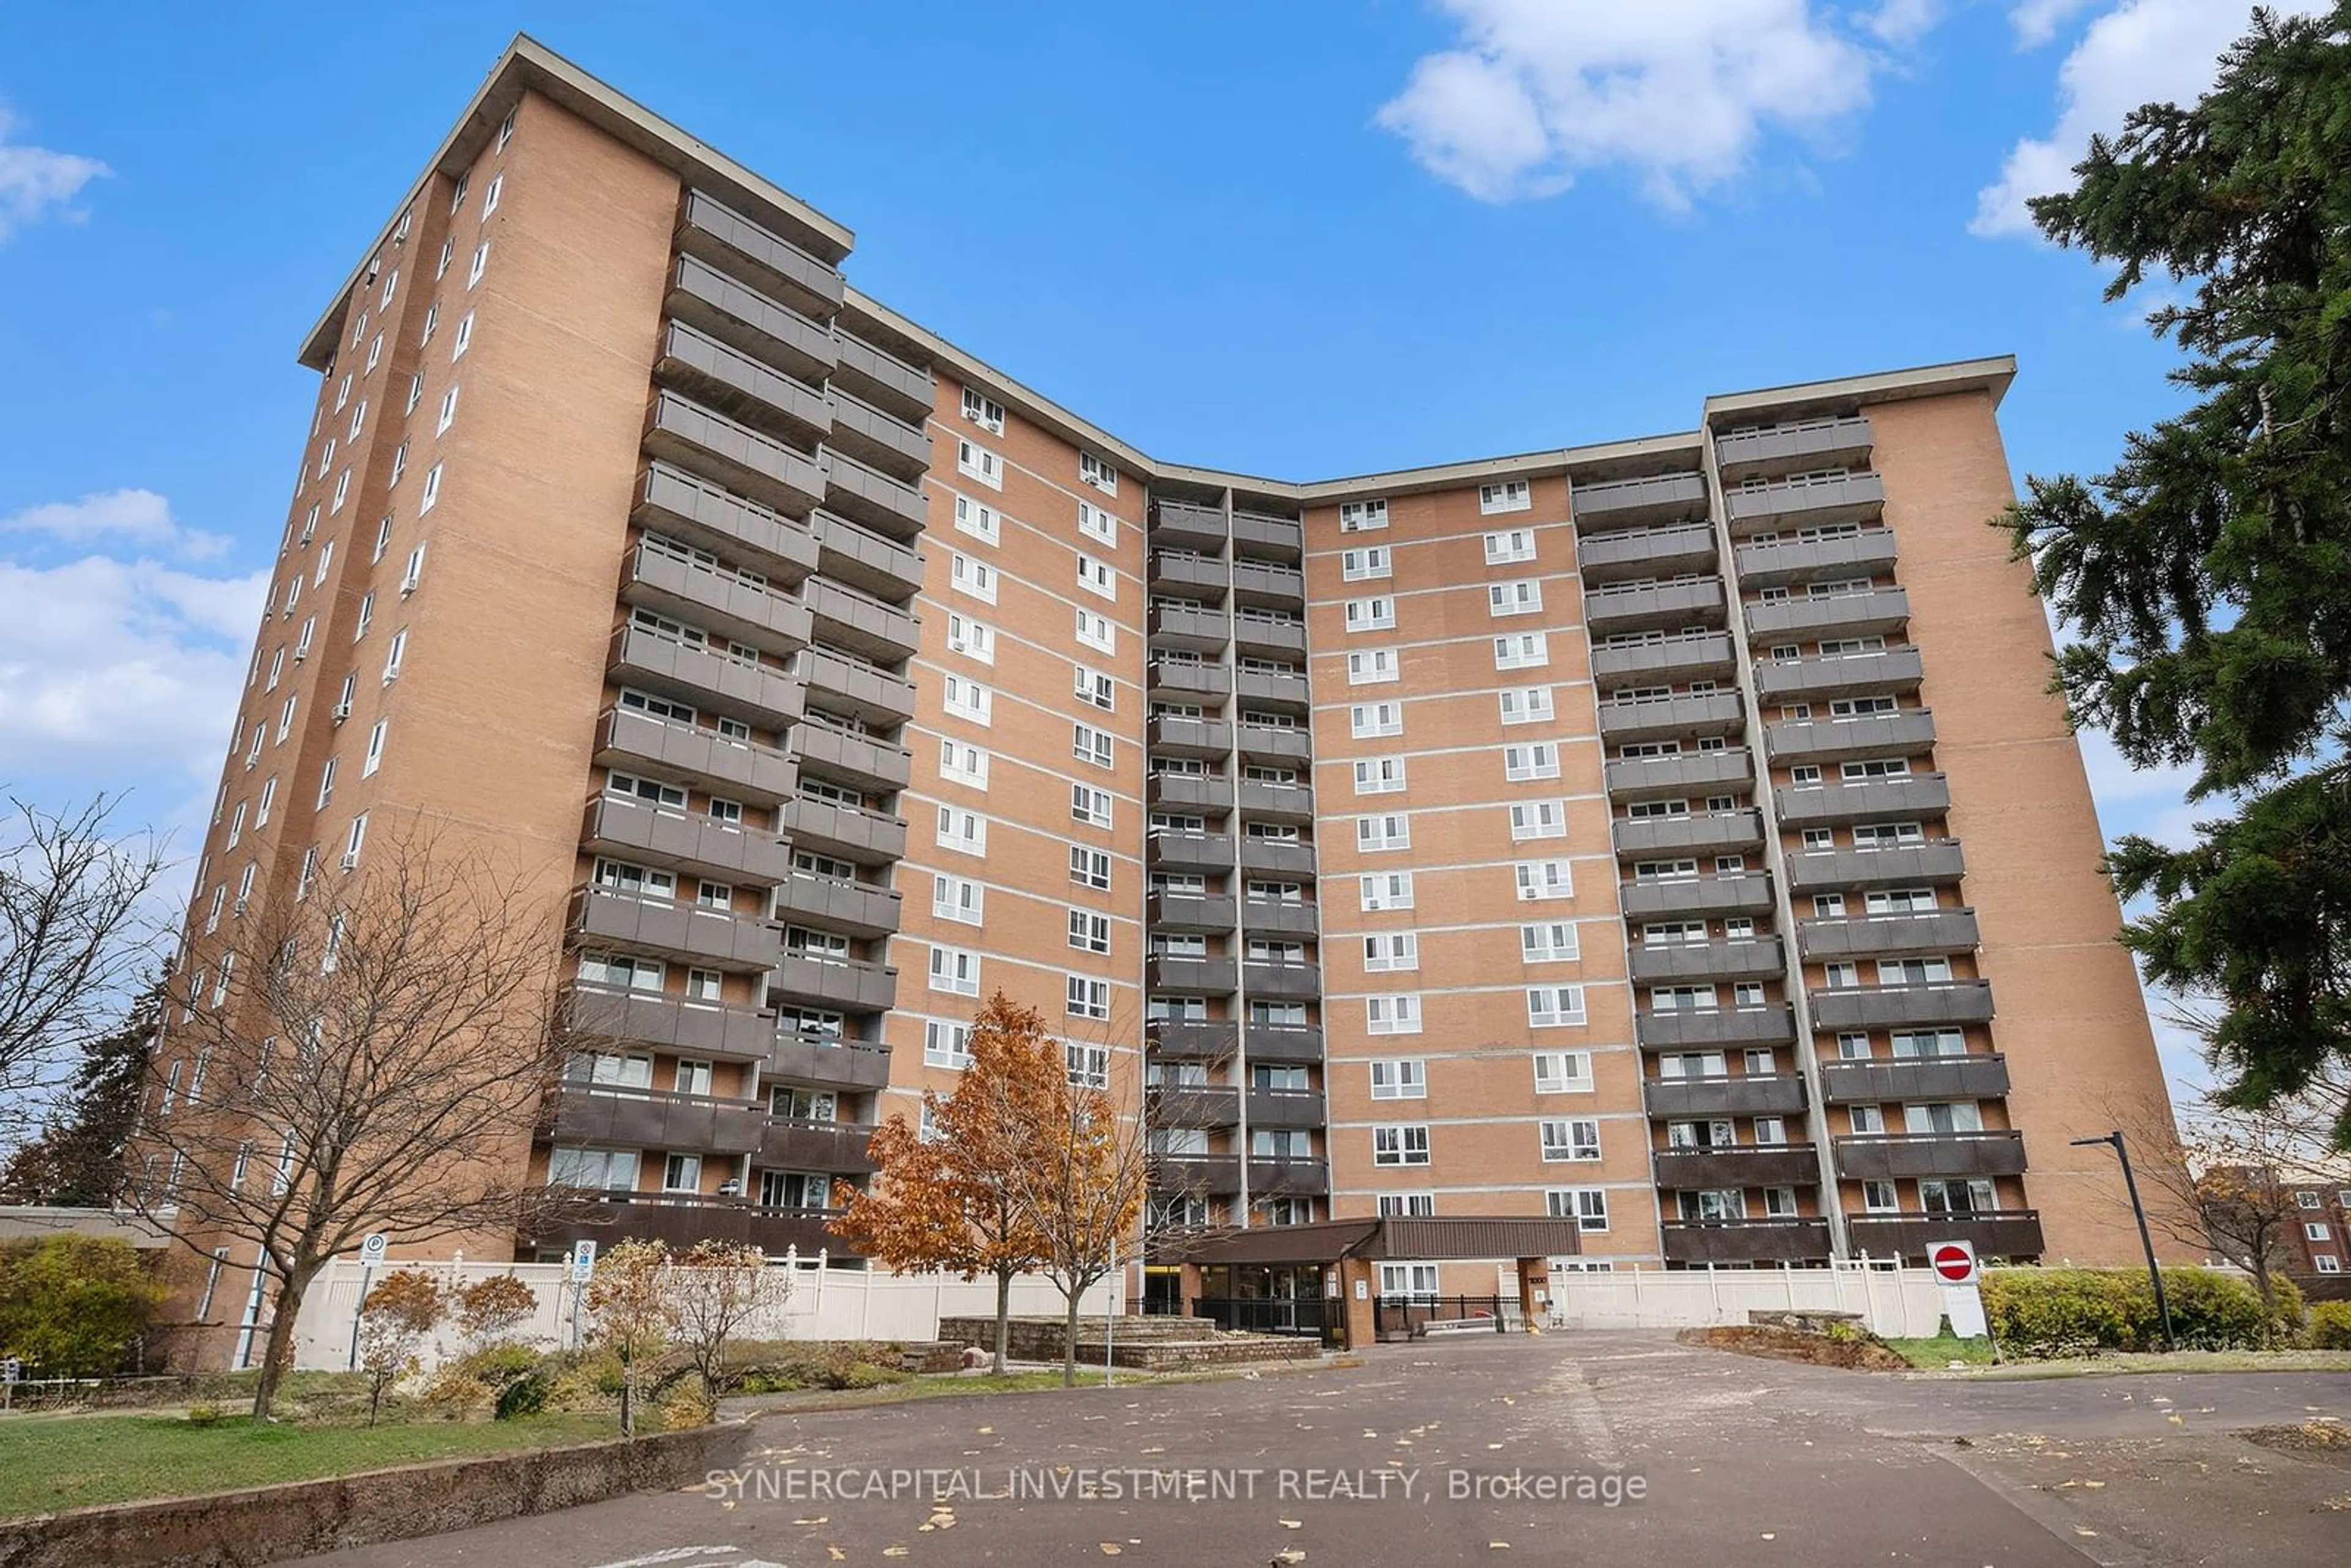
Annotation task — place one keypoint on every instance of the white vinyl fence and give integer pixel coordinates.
(825, 1304)
(1897, 1302)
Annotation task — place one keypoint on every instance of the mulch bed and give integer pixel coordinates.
(1813, 1350)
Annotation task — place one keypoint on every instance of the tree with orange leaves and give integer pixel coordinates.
(951, 1201)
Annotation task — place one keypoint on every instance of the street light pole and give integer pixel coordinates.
(2147, 1242)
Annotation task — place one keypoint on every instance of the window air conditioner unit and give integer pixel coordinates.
(350, 859)
(342, 711)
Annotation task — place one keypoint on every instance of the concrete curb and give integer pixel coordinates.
(299, 1518)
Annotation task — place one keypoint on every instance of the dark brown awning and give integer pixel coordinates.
(1393, 1239)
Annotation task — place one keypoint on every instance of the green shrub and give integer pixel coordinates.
(204, 1415)
(2330, 1326)
(497, 1366)
(2044, 1312)
(526, 1396)
(72, 1306)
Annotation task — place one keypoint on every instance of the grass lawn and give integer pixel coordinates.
(1942, 1350)
(51, 1462)
(2178, 1361)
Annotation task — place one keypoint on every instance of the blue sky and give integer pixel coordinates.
(1304, 239)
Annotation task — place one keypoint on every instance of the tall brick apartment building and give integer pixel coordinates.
(1670, 833)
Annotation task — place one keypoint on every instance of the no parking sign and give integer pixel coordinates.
(1954, 1263)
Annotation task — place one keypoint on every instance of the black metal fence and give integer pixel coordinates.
(1306, 1316)
(1400, 1315)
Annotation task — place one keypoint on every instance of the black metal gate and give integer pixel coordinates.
(1400, 1316)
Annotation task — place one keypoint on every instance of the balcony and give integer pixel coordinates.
(1786, 562)
(680, 1220)
(1678, 1098)
(671, 501)
(1278, 857)
(835, 1147)
(1183, 525)
(849, 985)
(1702, 1241)
(1934, 862)
(1737, 1166)
(1900, 1007)
(1834, 442)
(847, 685)
(864, 494)
(1181, 574)
(837, 828)
(1908, 733)
(1288, 1178)
(1277, 538)
(1705, 655)
(1625, 723)
(1604, 559)
(1209, 1176)
(1895, 1155)
(1854, 498)
(1811, 616)
(1839, 675)
(649, 1119)
(862, 909)
(1278, 917)
(1210, 854)
(705, 442)
(1192, 1105)
(1687, 1029)
(1275, 745)
(1906, 935)
(1284, 1043)
(1270, 637)
(1171, 735)
(1727, 770)
(876, 438)
(674, 584)
(1193, 1040)
(1182, 627)
(1287, 804)
(602, 917)
(721, 235)
(872, 628)
(1634, 503)
(740, 385)
(1706, 833)
(1653, 606)
(631, 739)
(1184, 681)
(667, 1023)
(635, 830)
(1739, 893)
(860, 761)
(1277, 587)
(1188, 976)
(1915, 796)
(827, 1062)
(1674, 963)
(1285, 1108)
(2014, 1233)
(1201, 794)
(864, 560)
(1188, 912)
(883, 379)
(745, 318)
(1268, 980)
(1270, 689)
(1971, 1077)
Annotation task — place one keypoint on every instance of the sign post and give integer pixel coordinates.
(583, 1269)
(1956, 1273)
(372, 1254)
(12, 1371)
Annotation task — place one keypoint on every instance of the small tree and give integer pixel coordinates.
(490, 1310)
(948, 1202)
(714, 1292)
(1082, 1193)
(628, 1303)
(78, 1159)
(405, 1305)
(74, 1305)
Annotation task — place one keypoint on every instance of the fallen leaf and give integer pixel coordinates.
(836, 1554)
(1111, 1548)
(819, 1518)
(1768, 1536)
(1290, 1523)
(2079, 1531)
(1288, 1554)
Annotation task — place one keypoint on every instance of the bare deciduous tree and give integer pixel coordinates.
(714, 1292)
(73, 943)
(374, 1062)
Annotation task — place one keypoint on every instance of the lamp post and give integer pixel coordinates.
(2147, 1242)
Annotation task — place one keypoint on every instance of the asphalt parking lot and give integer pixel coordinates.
(1569, 1449)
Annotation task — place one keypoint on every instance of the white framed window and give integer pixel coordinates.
(955, 970)
(1385, 890)
(1364, 565)
(1563, 1072)
(1403, 1077)
(236, 827)
(1362, 517)
(1538, 879)
(415, 394)
(1395, 1013)
(1090, 867)
(1094, 689)
(1550, 941)
(980, 521)
(261, 807)
(946, 1044)
(1509, 544)
(983, 411)
(1526, 705)
(394, 654)
(1088, 744)
(506, 131)
(1401, 1146)
(1523, 597)
(1570, 1138)
(1099, 472)
(1390, 951)
(425, 503)
(972, 576)
(1554, 1006)
(481, 262)
(958, 898)
(1089, 932)
(326, 784)
(1522, 651)
(286, 718)
(1587, 1206)
(976, 462)
(963, 763)
(1374, 614)
(1085, 997)
(967, 698)
(342, 492)
(972, 639)
(1371, 720)
(1379, 775)
(448, 411)
(2312, 1230)
(1097, 578)
(374, 749)
(1095, 631)
(382, 540)
(1407, 1205)
(963, 831)
(1370, 666)
(355, 842)
(1408, 1281)
(303, 639)
(463, 339)
(1089, 805)
(413, 572)
(1539, 820)
(1389, 830)
(1508, 495)
(1097, 523)
(1535, 760)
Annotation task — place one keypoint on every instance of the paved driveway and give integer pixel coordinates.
(1624, 1449)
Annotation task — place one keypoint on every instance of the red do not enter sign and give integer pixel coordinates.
(1953, 1262)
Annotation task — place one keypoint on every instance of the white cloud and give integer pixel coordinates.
(34, 180)
(2037, 21)
(1679, 92)
(142, 516)
(2138, 51)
